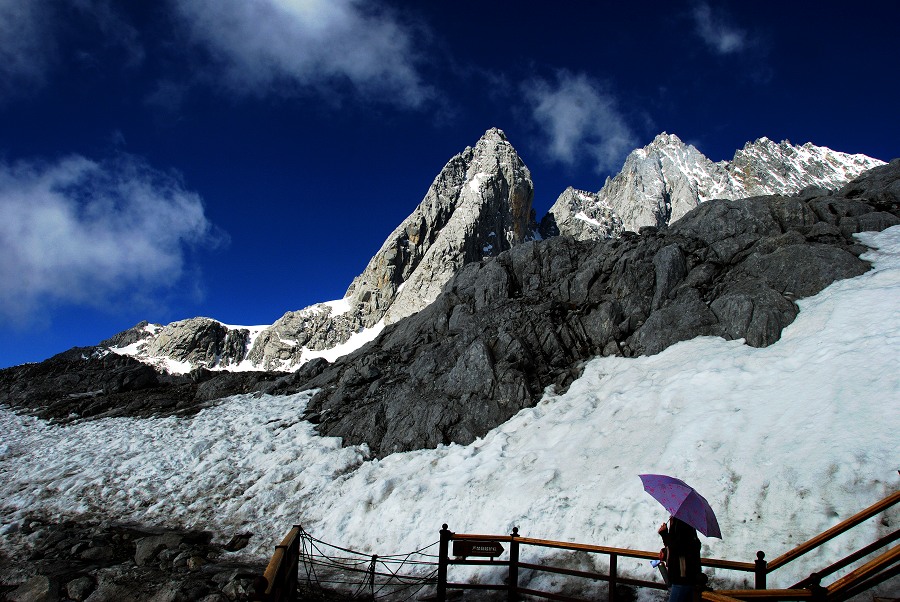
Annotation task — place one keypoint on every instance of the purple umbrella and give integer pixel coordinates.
(683, 502)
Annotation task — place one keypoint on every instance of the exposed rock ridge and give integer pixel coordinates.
(667, 178)
(506, 328)
(582, 215)
(479, 205)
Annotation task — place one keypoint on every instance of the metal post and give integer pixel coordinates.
(761, 570)
(513, 581)
(613, 570)
(372, 574)
(443, 549)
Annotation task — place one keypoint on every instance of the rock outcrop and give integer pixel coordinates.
(85, 559)
(506, 328)
(667, 178)
(200, 342)
(479, 205)
(582, 215)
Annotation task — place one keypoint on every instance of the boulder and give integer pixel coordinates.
(39, 588)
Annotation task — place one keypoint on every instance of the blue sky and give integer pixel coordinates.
(241, 158)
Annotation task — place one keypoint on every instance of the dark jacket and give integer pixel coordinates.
(682, 552)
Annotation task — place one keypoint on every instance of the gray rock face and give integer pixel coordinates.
(667, 178)
(321, 326)
(87, 560)
(202, 342)
(506, 328)
(582, 215)
(477, 207)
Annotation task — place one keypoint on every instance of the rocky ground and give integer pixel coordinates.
(105, 561)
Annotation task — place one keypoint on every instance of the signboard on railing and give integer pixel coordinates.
(464, 548)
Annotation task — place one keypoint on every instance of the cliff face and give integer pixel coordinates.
(667, 178)
(480, 205)
(477, 207)
(504, 329)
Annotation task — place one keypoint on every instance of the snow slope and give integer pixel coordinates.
(784, 441)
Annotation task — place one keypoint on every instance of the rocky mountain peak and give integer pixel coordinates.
(667, 178)
(472, 215)
(665, 139)
(494, 134)
(478, 206)
(581, 214)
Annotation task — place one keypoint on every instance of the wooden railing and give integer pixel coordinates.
(279, 582)
(514, 564)
(864, 578)
(872, 573)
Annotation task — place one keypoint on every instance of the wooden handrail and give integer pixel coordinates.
(581, 547)
(717, 597)
(734, 565)
(835, 531)
(274, 567)
(766, 594)
(865, 571)
(848, 560)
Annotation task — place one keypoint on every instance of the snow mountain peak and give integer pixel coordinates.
(479, 205)
(662, 181)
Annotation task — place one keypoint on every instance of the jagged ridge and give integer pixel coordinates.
(667, 178)
(478, 206)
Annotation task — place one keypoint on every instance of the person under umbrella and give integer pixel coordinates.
(689, 512)
(681, 556)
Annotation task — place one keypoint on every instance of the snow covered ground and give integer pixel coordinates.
(784, 442)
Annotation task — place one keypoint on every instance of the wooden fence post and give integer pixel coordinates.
(761, 570)
(613, 570)
(443, 557)
(819, 593)
(513, 580)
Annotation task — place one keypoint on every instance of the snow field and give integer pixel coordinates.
(784, 442)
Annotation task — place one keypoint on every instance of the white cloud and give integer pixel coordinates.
(308, 44)
(580, 120)
(26, 49)
(718, 35)
(77, 231)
